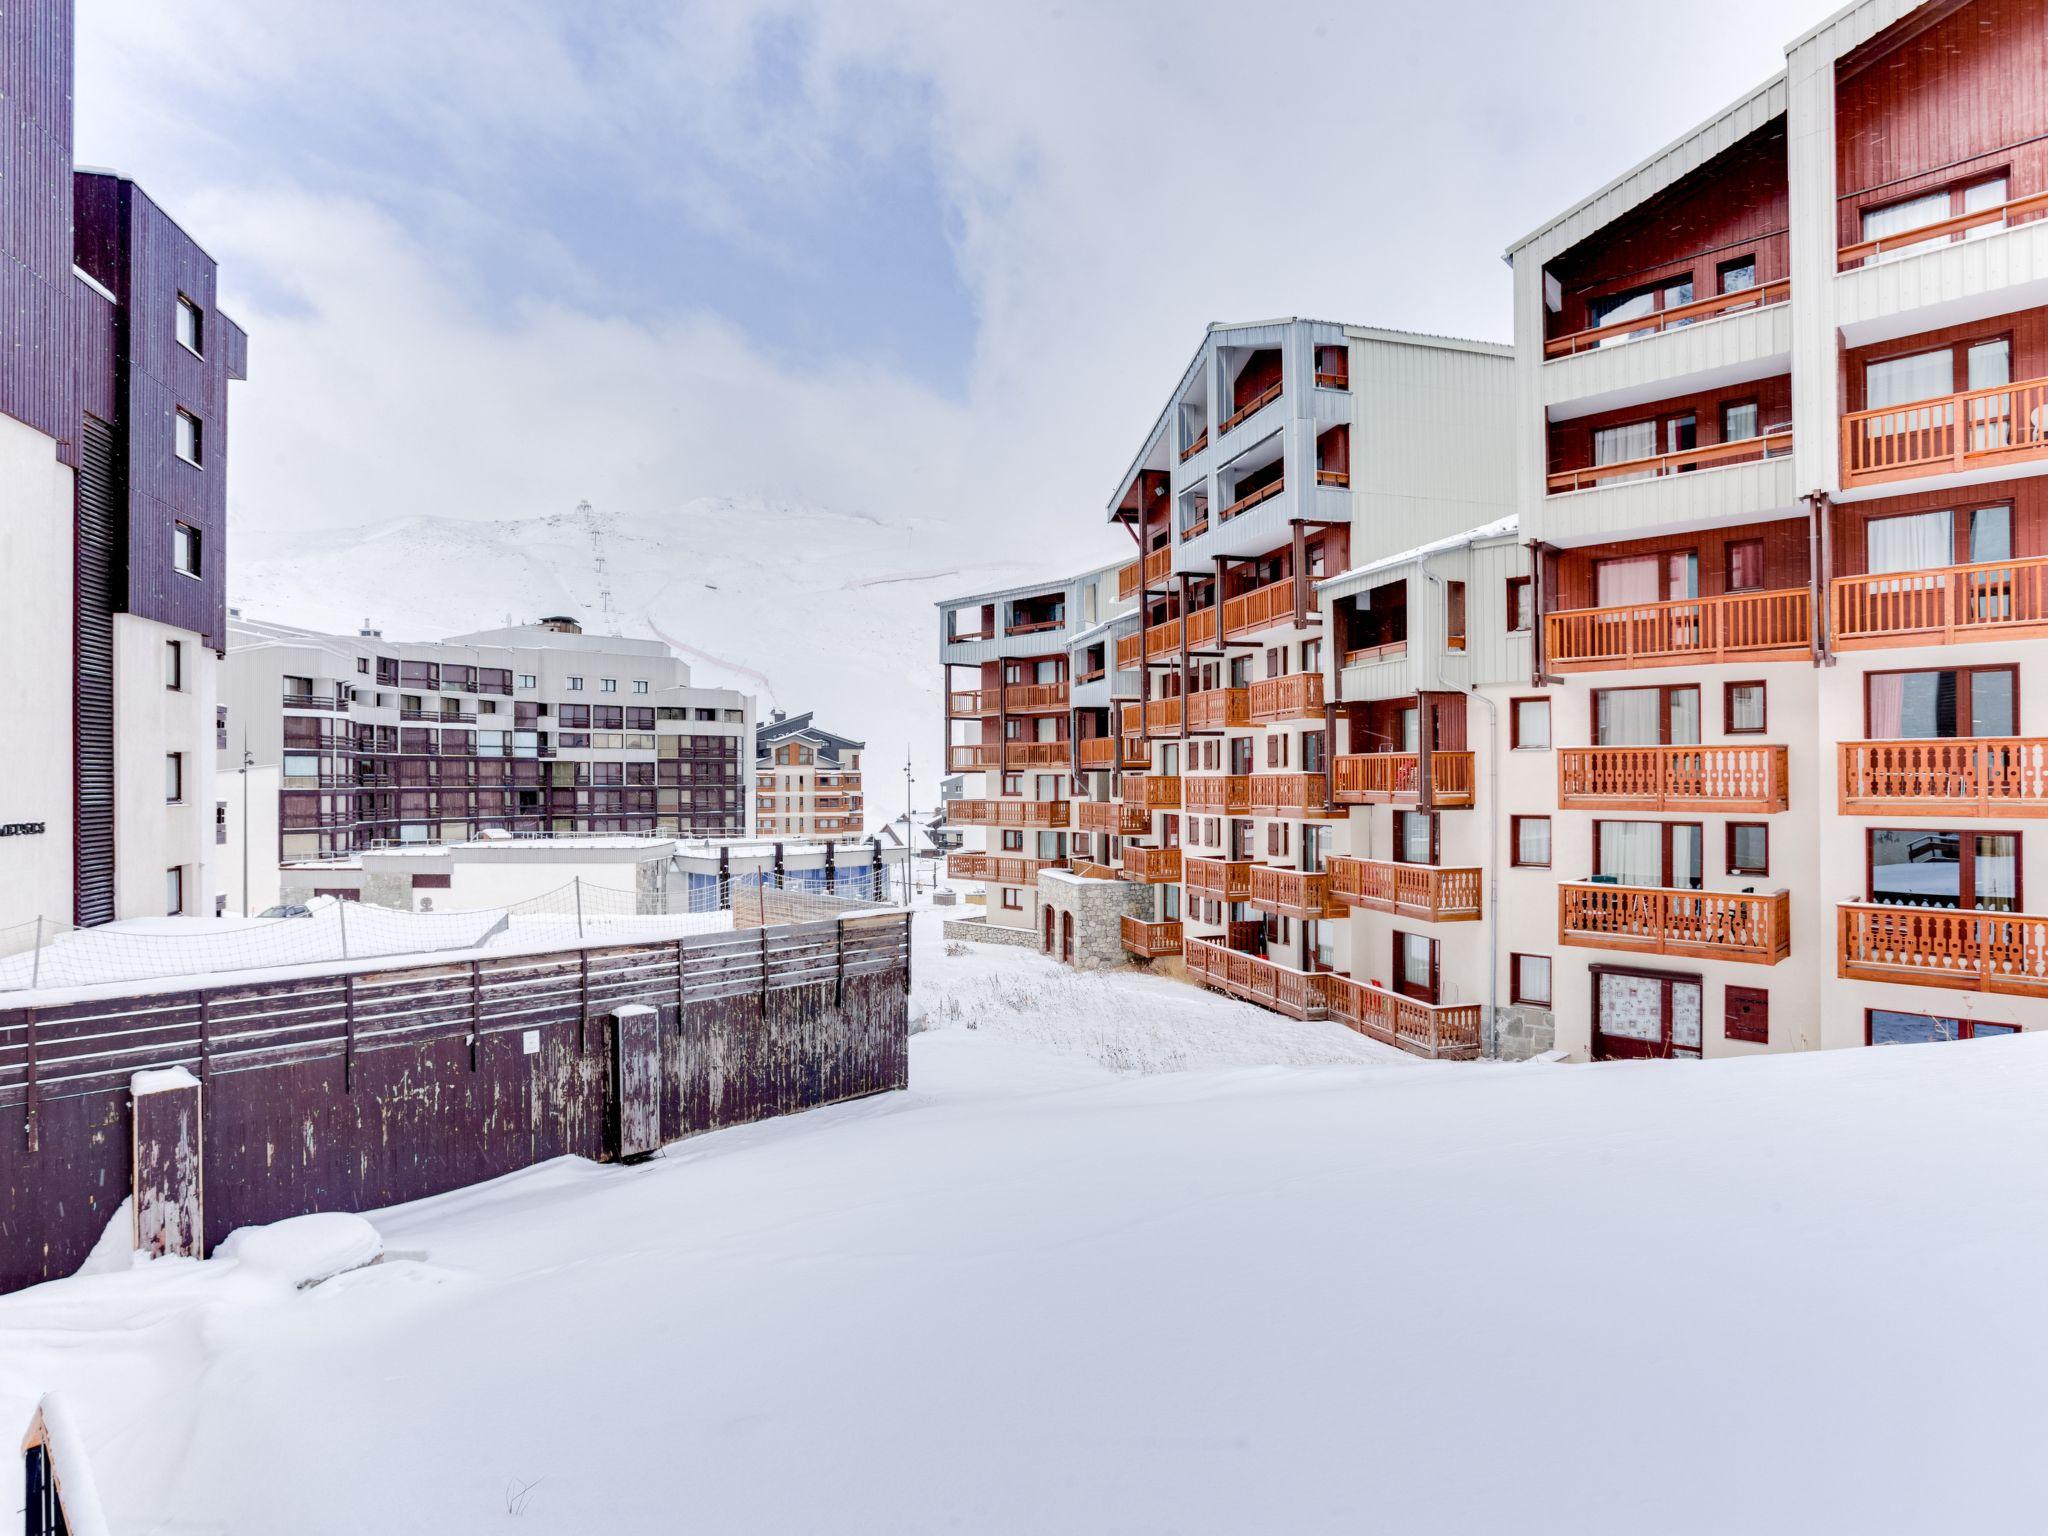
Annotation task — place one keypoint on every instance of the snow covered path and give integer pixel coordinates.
(1036, 1295)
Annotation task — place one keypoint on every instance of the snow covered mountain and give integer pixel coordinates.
(803, 607)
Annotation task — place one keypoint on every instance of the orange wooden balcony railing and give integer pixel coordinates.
(1104, 752)
(1292, 892)
(1153, 791)
(1251, 407)
(1152, 866)
(1435, 1030)
(1251, 499)
(1943, 947)
(971, 755)
(1952, 776)
(1407, 890)
(1291, 794)
(1669, 319)
(1260, 608)
(1201, 441)
(1381, 778)
(1017, 699)
(1113, 817)
(1693, 631)
(1149, 941)
(1149, 572)
(1393, 650)
(1998, 599)
(998, 868)
(1712, 925)
(1160, 717)
(1130, 651)
(2017, 211)
(1977, 429)
(1718, 778)
(1299, 994)
(1217, 879)
(1221, 794)
(1292, 697)
(1035, 626)
(1711, 456)
(1337, 477)
(1219, 709)
(999, 813)
(1195, 529)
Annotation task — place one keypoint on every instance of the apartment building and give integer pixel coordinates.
(806, 780)
(113, 458)
(1781, 418)
(354, 741)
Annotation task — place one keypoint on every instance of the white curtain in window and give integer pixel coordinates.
(1902, 380)
(1632, 852)
(1923, 541)
(1619, 583)
(1624, 445)
(1627, 717)
(1897, 218)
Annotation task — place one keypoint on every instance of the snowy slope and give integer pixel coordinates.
(804, 607)
(1786, 1294)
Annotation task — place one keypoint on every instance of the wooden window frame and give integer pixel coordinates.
(1966, 866)
(1758, 543)
(1959, 361)
(1667, 980)
(1435, 837)
(1455, 617)
(1964, 676)
(1515, 704)
(1515, 992)
(1520, 605)
(1515, 860)
(1665, 693)
(1746, 1015)
(1728, 725)
(1728, 851)
(1398, 971)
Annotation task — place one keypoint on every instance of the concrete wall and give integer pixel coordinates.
(253, 884)
(151, 721)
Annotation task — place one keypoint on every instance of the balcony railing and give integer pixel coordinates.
(968, 756)
(1711, 308)
(998, 868)
(1685, 461)
(1943, 947)
(1152, 866)
(1292, 892)
(1252, 407)
(1201, 441)
(1098, 752)
(1035, 626)
(1291, 794)
(1112, 817)
(315, 701)
(1384, 778)
(1711, 925)
(1149, 941)
(1158, 717)
(1952, 776)
(1747, 626)
(1149, 572)
(1337, 477)
(1438, 1031)
(1153, 791)
(1217, 879)
(1299, 994)
(1219, 709)
(1251, 499)
(2007, 424)
(991, 813)
(1293, 697)
(1366, 656)
(2000, 598)
(2018, 211)
(1407, 890)
(1221, 794)
(1692, 778)
(1260, 608)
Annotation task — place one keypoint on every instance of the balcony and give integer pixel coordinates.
(1251, 499)
(2002, 216)
(1261, 608)
(1152, 866)
(1743, 450)
(1150, 941)
(1100, 752)
(1299, 994)
(1296, 893)
(972, 755)
(1420, 891)
(1943, 947)
(1952, 776)
(1438, 1031)
(1218, 879)
(1298, 696)
(1690, 778)
(1015, 699)
(1249, 409)
(1392, 778)
(318, 701)
(1291, 795)
(1670, 319)
(1219, 709)
(1708, 925)
(1978, 429)
(1112, 817)
(1145, 574)
(2003, 599)
(1201, 441)
(998, 868)
(1222, 794)
(1695, 631)
(994, 813)
(1154, 791)
(1160, 717)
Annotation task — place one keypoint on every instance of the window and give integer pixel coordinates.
(1529, 724)
(1647, 717)
(639, 685)
(174, 890)
(1415, 966)
(1521, 605)
(1736, 275)
(191, 327)
(1530, 841)
(1742, 709)
(1454, 615)
(575, 684)
(174, 777)
(1738, 421)
(528, 680)
(1884, 1026)
(188, 436)
(1745, 565)
(185, 550)
(1529, 980)
(1013, 899)
(1666, 854)
(1964, 701)
(607, 685)
(174, 665)
(1916, 867)
(1749, 848)
(1746, 1015)
(1415, 837)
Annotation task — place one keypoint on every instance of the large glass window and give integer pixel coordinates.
(1646, 717)
(1919, 542)
(1972, 701)
(1990, 535)
(1917, 867)
(1649, 853)
(1889, 1027)
(1902, 380)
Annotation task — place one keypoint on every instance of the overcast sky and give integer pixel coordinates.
(896, 256)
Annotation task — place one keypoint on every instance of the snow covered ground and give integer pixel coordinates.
(1267, 1278)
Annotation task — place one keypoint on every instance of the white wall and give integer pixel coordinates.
(252, 886)
(152, 720)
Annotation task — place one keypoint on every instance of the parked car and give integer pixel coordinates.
(286, 911)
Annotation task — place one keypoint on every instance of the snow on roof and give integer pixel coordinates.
(1502, 528)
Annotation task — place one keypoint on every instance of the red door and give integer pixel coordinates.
(1047, 946)
(1067, 937)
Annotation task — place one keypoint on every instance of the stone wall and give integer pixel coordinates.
(979, 930)
(1520, 1033)
(1098, 908)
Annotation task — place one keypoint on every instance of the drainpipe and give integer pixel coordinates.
(1821, 563)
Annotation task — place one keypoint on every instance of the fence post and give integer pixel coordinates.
(839, 964)
(35, 972)
(582, 1000)
(579, 913)
(907, 918)
(476, 1011)
(348, 1044)
(764, 967)
(205, 1039)
(341, 916)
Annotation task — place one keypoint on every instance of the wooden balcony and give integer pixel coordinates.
(1140, 575)
(1406, 890)
(993, 813)
(2001, 599)
(1711, 308)
(2003, 215)
(1261, 608)
(1952, 776)
(1152, 866)
(1977, 429)
(1708, 925)
(1217, 879)
(1251, 408)
(1219, 709)
(1036, 626)
(1722, 778)
(1201, 441)
(1712, 456)
(1217, 794)
(1366, 656)
(1291, 794)
(1099, 752)
(998, 868)
(1150, 941)
(1441, 1032)
(1392, 778)
(1251, 499)
(1297, 696)
(1112, 817)
(1299, 994)
(1943, 947)
(1694, 631)
(1292, 892)
(971, 755)
(1153, 791)
(1336, 477)
(1161, 717)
